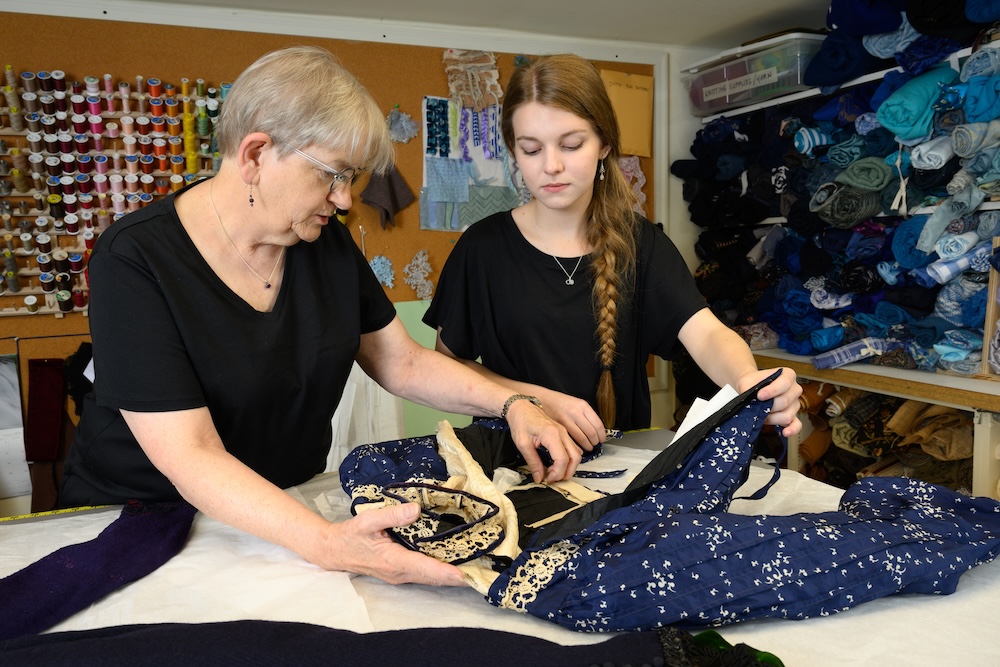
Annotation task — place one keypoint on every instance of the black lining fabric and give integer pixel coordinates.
(663, 463)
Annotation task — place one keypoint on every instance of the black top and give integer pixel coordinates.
(504, 301)
(168, 335)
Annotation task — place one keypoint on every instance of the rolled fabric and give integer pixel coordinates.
(932, 154)
(970, 138)
(850, 206)
(982, 100)
(890, 314)
(953, 246)
(885, 45)
(982, 11)
(953, 208)
(961, 180)
(841, 57)
(904, 241)
(836, 404)
(846, 354)
(808, 138)
(989, 222)
(945, 271)
(827, 339)
(908, 111)
(962, 302)
(867, 173)
(984, 62)
(865, 248)
(846, 152)
(981, 162)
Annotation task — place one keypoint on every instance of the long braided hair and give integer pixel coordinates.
(570, 83)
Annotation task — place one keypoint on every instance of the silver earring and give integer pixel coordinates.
(602, 170)
(251, 194)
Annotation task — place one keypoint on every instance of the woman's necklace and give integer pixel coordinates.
(569, 275)
(281, 253)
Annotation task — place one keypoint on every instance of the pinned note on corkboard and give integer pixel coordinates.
(632, 97)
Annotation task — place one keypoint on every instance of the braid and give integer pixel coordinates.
(612, 236)
(606, 282)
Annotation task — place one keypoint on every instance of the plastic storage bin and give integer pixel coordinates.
(750, 74)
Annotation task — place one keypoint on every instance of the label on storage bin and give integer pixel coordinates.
(740, 84)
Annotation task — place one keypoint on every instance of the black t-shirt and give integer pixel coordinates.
(504, 301)
(168, 335)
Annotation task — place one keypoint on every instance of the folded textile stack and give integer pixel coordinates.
(853, 274)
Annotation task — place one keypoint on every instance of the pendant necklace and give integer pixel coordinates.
(281, 253)
(569, 275)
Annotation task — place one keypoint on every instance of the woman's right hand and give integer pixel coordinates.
(577, 417)
(361, 545)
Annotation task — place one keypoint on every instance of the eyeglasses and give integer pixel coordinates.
(341, 179)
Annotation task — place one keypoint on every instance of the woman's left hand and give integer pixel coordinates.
(785, 391)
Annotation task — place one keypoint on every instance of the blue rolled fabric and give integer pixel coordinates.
(925, 52)
(794, 345)
(908, 112)
(962, 302)
(890, 42)
(864, 17)
(984, 62)
(827, 339)
(865, 348)
(928, 330)
(982, 100)
(982, 11)
(841, 57)
(904, 242)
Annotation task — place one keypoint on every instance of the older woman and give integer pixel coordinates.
(226, 318)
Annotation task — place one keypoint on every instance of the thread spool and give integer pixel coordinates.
(64, 298)
(72, 224)
(60, 262)
(31, 303)
(27, 242)
(79, 298)
(48, 282)
(13, 284)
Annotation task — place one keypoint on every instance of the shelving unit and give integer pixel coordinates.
(977, 394)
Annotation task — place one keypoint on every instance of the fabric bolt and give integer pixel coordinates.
(982, 100)
(980, 162)
(808, 139)
(887, 43)
(971, 138)
(141, 539)
(982, 62)
(840, 401)
(952, 246)
(846, 152)
(907, 111)
(849, 353)
(827, 339)
(814, 445)
(970, 365)
(953, 208)
(866, 173)
(946, 270)
(841, 57)
(864, 17)
(926, 52)
(989, 224)
(962, 302)
(962, 179)
(932, 154)
(866, 123)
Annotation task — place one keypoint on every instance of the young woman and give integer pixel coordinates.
(571, 292)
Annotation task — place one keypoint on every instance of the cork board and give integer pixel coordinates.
(395, 74)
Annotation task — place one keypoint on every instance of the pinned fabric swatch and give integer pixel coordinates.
(447, 179)
(402, 128)
(381, 266)
(473, 78)
(388, 193)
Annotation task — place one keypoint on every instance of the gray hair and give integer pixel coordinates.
(302, 96)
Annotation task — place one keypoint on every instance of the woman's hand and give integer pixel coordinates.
(531, 429)
(577, 417)
(361, 545)
(785, 391)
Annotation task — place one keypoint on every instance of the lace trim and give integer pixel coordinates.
(535, 573)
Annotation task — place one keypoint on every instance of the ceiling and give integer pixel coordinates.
(720, 24)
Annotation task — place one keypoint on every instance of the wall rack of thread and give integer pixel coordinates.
(77, 155)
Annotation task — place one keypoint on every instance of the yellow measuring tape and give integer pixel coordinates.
(42, 515)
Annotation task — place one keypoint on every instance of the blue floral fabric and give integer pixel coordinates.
(667, 551)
